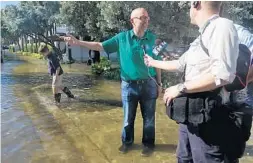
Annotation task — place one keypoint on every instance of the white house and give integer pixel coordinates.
(78, 53)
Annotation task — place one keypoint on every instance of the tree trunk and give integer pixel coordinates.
(22, 43)
(19, 47)
(51, 31)
(55, 28)
(26, 48)
(36, 45)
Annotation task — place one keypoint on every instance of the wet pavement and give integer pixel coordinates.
(20, 139)
(84, 130)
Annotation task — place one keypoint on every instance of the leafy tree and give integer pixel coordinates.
(33, 19)
(83, 17)
(10, 33)
(241, 12)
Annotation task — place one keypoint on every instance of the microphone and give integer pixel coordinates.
(144, 46)
(163, 49)
(144, 49)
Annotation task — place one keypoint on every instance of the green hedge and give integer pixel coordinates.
(11, 48)
(32, 47)
(35, 55)
(104, 69)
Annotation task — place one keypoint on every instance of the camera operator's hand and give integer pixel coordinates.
(170, 94)
(148, 60)
(70, 39)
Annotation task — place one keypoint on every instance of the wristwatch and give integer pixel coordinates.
(181, 88)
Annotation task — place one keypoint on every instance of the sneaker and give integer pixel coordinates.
(124, 148)
(71, 96)
(147, 151)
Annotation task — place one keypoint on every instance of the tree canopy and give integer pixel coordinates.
(103, 19)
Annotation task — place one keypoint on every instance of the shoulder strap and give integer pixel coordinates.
(203, 46)
(204, 28)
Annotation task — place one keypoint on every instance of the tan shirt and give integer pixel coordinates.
(221, 40)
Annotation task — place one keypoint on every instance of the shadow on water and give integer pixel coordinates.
(34, 79)
(167, 148)
(107, 102)
(79, 105)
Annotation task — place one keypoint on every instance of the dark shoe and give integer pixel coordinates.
(71, 96)
(57, 98)
(124, 148)
(68, 93)
(147, 151)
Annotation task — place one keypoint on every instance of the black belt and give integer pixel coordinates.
(141, 81)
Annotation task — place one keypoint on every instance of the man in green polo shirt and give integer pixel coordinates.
(140, 84)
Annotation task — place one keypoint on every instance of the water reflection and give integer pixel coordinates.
(18, 134)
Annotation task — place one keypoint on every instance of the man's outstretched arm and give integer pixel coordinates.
(90, 45)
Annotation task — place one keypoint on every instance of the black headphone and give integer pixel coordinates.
(195, 4)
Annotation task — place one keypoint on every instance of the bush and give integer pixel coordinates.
(19, 53)
(104, 69)
(26, 53)
(99, 68)
(34, 55)
(29, 48)
(113, 74)
(11, 48)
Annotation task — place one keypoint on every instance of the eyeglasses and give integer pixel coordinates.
(143, 18)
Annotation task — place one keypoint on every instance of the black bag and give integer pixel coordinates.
(193, 108)
(234, 121)
(177, 110)
(242, 68)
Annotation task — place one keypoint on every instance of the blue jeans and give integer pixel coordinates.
(145, 94)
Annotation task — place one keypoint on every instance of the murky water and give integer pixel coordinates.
(29, 132)
(84, 130)
(19, 137)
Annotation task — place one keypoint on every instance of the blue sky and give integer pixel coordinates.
(4, 3)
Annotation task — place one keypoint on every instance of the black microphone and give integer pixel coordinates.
(144, 46)
(163, 49)
(144, 49)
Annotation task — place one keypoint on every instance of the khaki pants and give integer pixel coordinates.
(57, 83)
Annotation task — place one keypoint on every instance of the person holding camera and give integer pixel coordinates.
(204, 76)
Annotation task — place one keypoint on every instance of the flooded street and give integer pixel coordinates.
(28, 132)
(86, 130)
(20, 139)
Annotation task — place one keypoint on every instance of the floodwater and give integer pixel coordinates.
(20, 139)
(88, 129)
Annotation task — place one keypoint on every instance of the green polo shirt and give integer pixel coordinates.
(130, 53)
